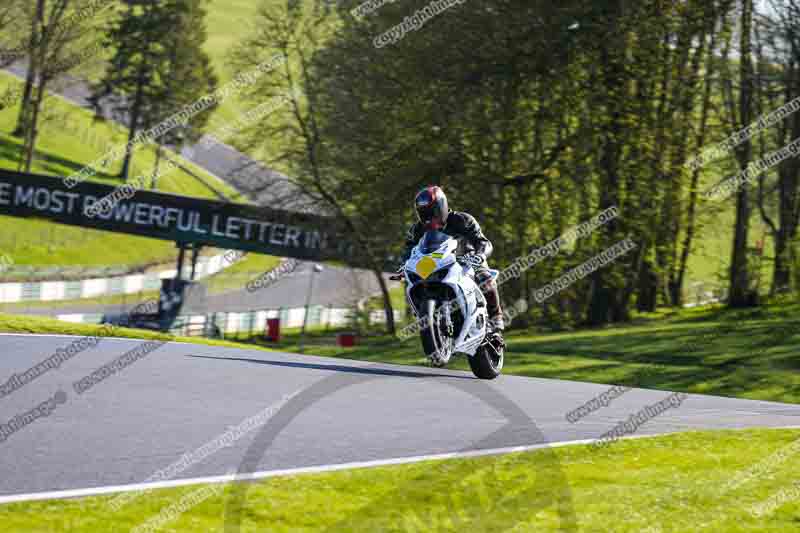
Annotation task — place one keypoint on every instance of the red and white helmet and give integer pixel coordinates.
(431, 207)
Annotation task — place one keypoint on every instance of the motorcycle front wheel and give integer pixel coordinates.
(487, 363)
(436, 343)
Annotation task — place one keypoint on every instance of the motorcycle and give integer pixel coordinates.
(449, 305)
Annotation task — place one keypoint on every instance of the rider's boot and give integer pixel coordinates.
(498, 325)
(494, 310)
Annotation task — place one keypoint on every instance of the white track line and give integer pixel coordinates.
(227, 478)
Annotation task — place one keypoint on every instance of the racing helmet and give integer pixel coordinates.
(431, 207)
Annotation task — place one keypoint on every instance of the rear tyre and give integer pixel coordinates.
(487, 363)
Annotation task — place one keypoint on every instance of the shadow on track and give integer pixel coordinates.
(340, 368)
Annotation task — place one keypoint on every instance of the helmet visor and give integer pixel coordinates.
(426, 213)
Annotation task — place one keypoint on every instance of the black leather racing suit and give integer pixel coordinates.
(466, 229)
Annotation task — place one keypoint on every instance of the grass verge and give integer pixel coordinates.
(672, 483)
(42, 325)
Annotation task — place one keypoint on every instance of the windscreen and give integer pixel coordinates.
(431, 241)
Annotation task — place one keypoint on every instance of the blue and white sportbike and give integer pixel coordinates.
(449, 305)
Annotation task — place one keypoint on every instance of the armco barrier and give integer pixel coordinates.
(252, 322)
(50, 291)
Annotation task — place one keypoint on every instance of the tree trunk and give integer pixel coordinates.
(35, 105)
(788, 214)
(603, 305)
(600, 306)
(739, 271)
(21, 128)
(134, 122)
(648, 289)
(387, 303)
(154, 179)
(782, 271)
(32, 129)
(700, 141)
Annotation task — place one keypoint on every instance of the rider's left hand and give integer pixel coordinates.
(476, 260)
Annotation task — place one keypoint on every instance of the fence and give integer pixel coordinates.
(93, 287)
(222, 324)
(251, 322)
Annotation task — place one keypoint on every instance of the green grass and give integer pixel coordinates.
(11, 323)
(668, 484)
(41, 325)
(223, 17)
(228, 21)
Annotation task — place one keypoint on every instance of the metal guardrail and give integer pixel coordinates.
(220, 325)
(225, 324)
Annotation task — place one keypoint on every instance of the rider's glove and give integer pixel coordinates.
(476, 260)
(471, 259)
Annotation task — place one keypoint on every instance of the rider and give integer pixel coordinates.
(434, 214)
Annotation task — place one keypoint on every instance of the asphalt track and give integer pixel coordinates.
(178, 398)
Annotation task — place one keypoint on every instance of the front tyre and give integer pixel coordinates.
(436, 342)
(487, 363)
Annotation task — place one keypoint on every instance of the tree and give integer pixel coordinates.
(781, 86)
(535, 116)
(297, 32)
(59, 29)
(158, 66)
(190, 75)
(14, 15)
(740, 110)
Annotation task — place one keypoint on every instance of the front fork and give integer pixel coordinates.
(440, 322)
(447, 311)
(446, 308)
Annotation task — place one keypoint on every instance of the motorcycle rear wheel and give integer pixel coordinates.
(487, 363)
